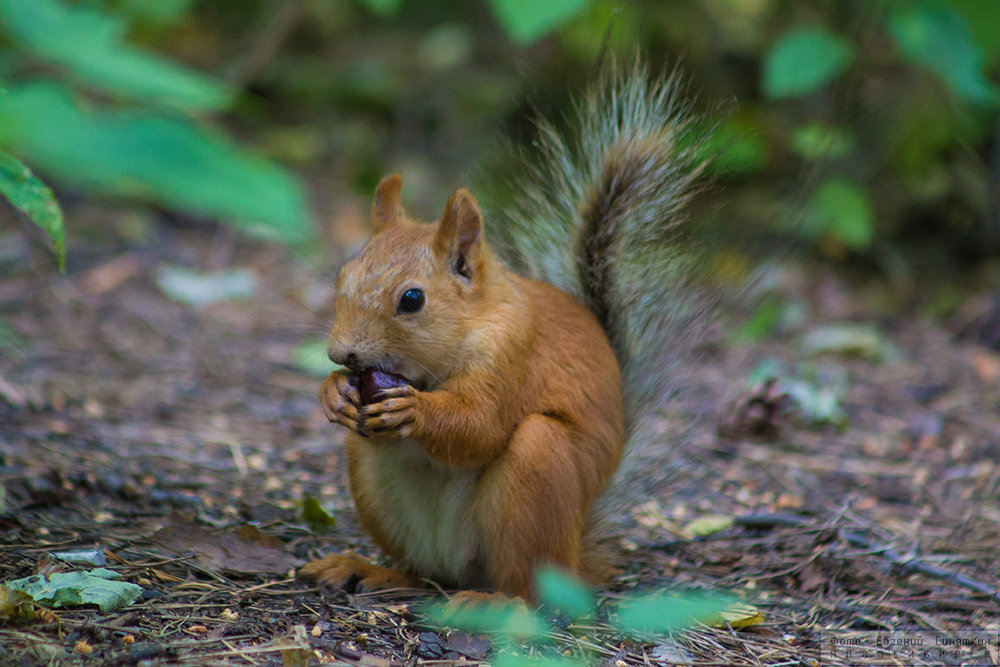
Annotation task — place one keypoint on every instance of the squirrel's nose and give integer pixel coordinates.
(344, 358)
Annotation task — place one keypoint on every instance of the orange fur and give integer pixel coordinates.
(486, 465)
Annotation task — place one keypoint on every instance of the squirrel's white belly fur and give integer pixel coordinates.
(426, 508)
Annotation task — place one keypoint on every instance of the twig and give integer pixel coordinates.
(912, 564)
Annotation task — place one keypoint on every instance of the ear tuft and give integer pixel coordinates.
(387, 209)
(460, 233)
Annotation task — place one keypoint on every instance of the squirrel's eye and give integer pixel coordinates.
(411, 301)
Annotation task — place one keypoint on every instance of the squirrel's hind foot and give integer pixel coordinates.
(348, 570)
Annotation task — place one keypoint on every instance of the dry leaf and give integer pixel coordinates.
(738, 615)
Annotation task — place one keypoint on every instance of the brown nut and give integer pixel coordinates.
(374, 381)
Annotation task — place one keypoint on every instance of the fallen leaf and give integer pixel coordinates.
(316, 517)
(295, 651)
(707, 525)
(15, 605)
(245, 550)
(737, 615)
(63, 589)
(82, 556)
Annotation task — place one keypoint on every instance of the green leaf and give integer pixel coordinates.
(662, 612)
(562, 592)
(707, 525)
(165, 160)
(735, 147)
(155, 12)
(65, 589)
(201, 289)
(383, 8)
(506, 619)
(13, 346)
(317, 518)
(842, 210)
(91, 46)
(311, 357)
(816, 141)
(938, 38)
(15, 606)
(855, 340)
(804, 60)
(27, 193)
(526, 21)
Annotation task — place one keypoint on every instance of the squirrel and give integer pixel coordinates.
(489, 409)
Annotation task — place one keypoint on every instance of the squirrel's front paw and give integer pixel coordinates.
(394, 415)
(341, 401)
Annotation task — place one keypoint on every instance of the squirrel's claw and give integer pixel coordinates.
(340, 401)
(391, 416)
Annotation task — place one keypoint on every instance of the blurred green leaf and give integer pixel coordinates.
(201, 289)
(526, 21)
(936, 37)
(736, 147)
(383, 8)
(159, 159)
(763, 321)
(842, 210)
(507, 619)
(91, 46)
(311, 357)
(855, 340)
(803, 60)
(817, 404)
(156, 12)
(982, 19)
(707, 525)
(63, 589)
(662, 612)
(12, 346)
(27, 193)
(316, 517)
(816, 141)
(560, 591)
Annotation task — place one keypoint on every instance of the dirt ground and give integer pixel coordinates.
(182, 441)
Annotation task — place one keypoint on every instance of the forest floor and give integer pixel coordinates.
(180, 443)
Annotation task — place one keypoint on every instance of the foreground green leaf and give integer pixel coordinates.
(65, 589)
(938, 38)
(506, 619)
(526, 21)
(164, 160)
(804, 60)
(662, 612)
(26, 192)
(564, 593)
(842, 210)
(91, 46)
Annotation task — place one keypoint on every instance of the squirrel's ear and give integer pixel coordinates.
(459, 233)
(387, 209)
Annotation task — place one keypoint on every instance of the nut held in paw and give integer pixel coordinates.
(374, 381)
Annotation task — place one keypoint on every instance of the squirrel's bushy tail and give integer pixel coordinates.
(596, 206)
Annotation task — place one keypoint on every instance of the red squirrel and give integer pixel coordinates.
(494, 412)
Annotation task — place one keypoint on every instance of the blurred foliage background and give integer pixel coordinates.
(866, 131)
